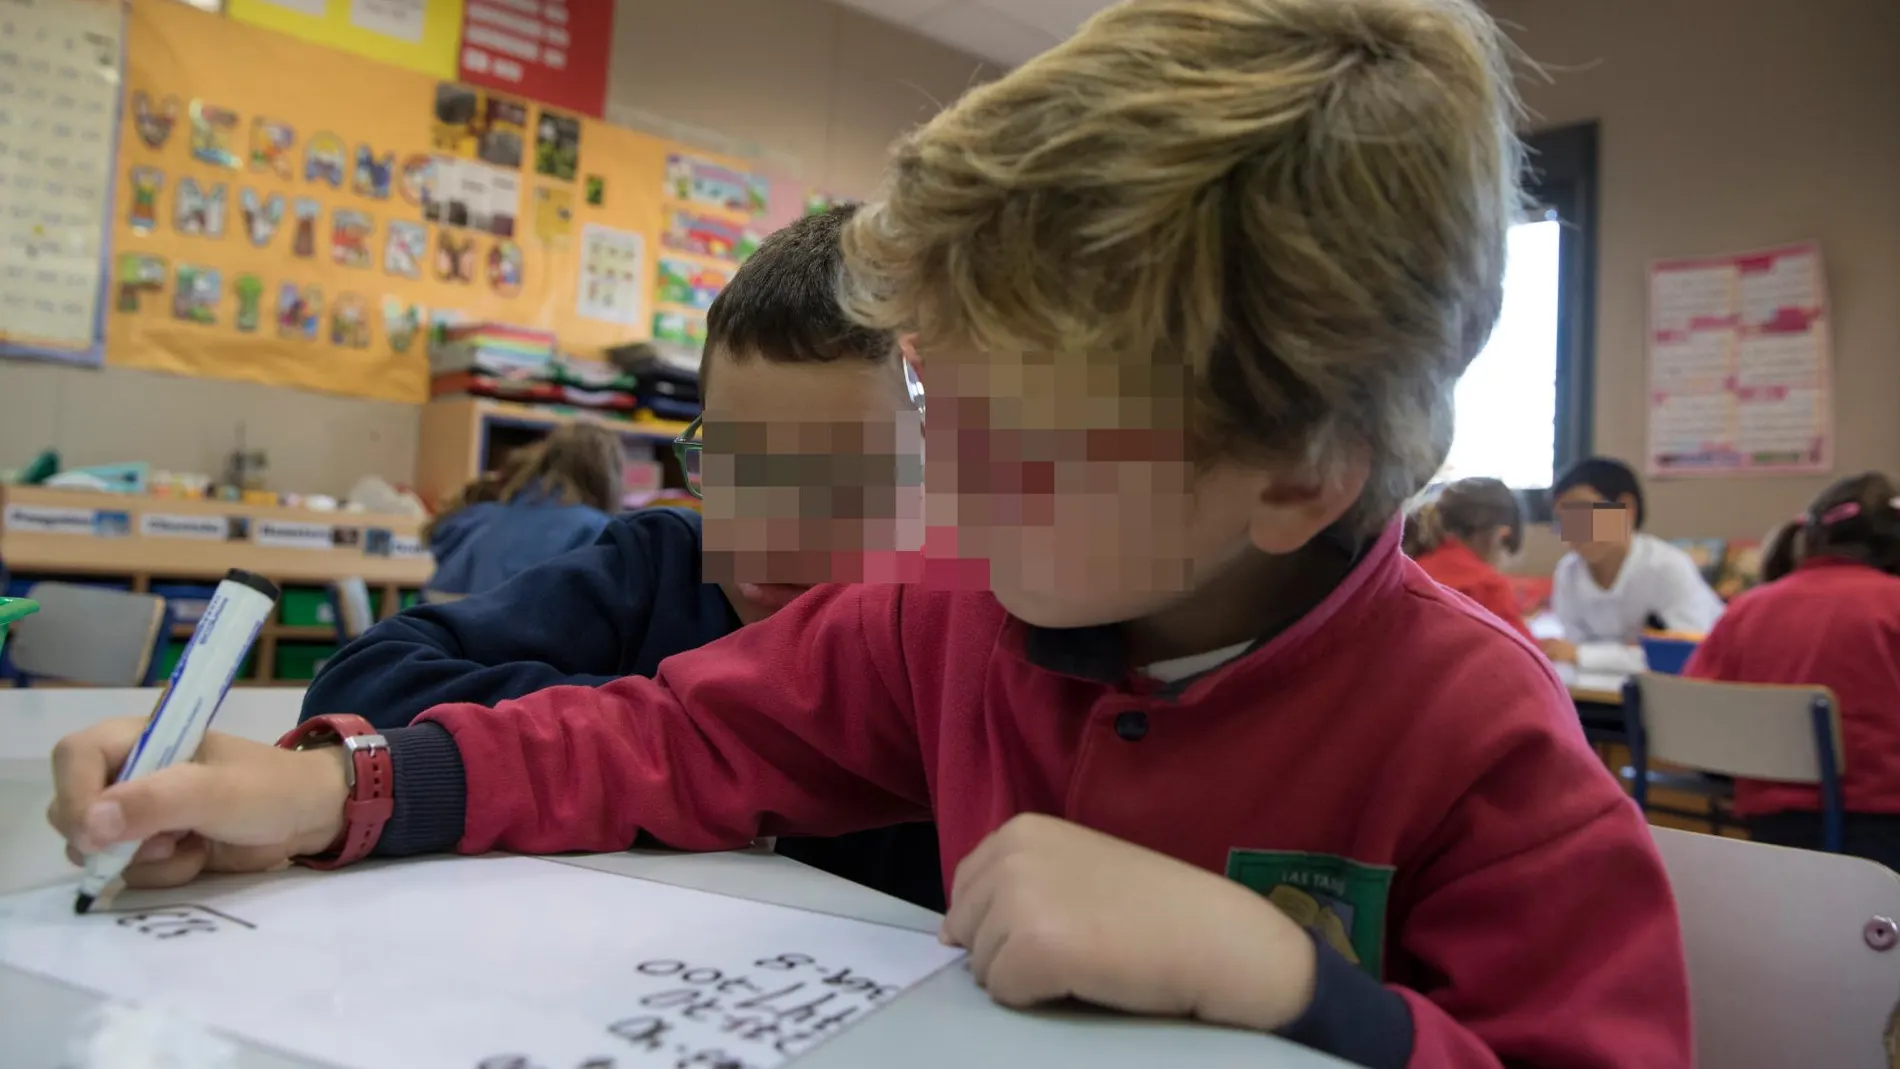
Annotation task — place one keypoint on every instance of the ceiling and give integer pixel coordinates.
(1001, 31)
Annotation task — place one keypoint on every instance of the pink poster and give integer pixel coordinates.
(1738, 365)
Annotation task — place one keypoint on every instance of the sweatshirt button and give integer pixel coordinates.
(1132, 725)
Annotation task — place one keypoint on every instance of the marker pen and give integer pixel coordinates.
(210, 662)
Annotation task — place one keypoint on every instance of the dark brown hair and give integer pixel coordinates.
(1782, 551)
(782, 303)
(576, 464)
(1470, 510)
(1855, 519)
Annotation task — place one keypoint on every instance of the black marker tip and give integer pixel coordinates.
(83, 905)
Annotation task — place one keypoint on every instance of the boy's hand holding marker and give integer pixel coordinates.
(241, 806)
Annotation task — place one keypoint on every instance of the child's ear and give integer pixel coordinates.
(1288, 515)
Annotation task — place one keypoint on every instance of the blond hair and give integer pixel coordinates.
(576, 464)
(1287, 217)
(1473, 511)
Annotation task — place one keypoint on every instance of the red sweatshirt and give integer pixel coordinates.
(1831, 623)
(1454, 565)
(1397, 770)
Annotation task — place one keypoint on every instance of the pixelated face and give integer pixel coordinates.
(811, 473)
(1596, 528)
(1073, 482)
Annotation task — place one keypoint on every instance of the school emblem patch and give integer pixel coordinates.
(1341, 901)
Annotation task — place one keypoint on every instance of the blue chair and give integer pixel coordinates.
(1786, 734)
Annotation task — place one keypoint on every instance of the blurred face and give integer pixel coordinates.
(1599, 529)
(1084, 503)
(808, 472)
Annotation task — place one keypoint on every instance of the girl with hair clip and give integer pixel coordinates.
(1832, 620)
(1460, 533)
(548, 498)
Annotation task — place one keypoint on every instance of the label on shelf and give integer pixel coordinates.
(197, 528)
(53, 519)
(282, 534)
(407, 547)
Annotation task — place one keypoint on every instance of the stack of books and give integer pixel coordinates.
(522, 365)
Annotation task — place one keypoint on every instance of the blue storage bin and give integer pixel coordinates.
(1668, 656)
(187, 601)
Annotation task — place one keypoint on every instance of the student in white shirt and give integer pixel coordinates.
(1617, 582)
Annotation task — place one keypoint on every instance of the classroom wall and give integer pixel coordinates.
(817, 91)
(1728, 125)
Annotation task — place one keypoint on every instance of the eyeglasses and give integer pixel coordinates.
(687, 449)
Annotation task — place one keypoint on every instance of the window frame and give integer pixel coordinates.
(1561, 177)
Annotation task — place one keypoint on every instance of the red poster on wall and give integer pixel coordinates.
(551, 51)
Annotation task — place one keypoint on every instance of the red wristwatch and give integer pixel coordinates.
(370, 774)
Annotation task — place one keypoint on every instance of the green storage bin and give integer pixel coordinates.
(174, 650)
(306, 607)
(299, 661)
(411, 598)
(12, 609)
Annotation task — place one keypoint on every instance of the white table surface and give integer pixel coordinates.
(946, 1021)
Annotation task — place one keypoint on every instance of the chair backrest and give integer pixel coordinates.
(1737, 729)
(88, 634)
(353, 612)
(1792, 954)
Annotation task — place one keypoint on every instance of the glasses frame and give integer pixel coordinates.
(688, 444)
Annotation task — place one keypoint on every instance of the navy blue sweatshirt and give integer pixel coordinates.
(616, 608)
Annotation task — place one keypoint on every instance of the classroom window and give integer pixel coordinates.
(1524, 405)
(1507, 400)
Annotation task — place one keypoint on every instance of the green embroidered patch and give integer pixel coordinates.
(1342, 901)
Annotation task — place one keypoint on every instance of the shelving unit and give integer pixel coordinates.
(462, 437)
(117, 540)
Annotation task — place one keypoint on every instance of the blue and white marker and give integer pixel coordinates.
(224, 636)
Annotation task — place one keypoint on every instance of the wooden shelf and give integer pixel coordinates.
(315, 633)
(113, 546)
(287, 632)
(30, 550)
(454, 433)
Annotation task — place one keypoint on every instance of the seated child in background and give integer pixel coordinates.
(1191, 291)
(548, 498)
(1832, 621)
(1459, 534)
(1617, 582)
(789, 368)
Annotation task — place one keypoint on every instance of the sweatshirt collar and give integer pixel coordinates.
(1097, 653)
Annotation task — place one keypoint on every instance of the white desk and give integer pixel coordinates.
(947, 1021)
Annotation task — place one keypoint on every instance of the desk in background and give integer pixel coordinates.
(946, 1021)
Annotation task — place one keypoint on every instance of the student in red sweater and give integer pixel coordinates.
(1191, 291)
(1459, 533)
(1833, 621)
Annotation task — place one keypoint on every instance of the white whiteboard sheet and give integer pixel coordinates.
(480, 963)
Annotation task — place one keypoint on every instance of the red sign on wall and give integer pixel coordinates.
(551, 51)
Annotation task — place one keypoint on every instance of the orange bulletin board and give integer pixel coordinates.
(244, 149)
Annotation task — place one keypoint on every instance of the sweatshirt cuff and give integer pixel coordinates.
(1353, 1017)
(431, 797)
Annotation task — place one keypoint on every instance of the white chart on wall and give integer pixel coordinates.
(61, 64)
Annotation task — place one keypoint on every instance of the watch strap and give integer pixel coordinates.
(370, 775)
